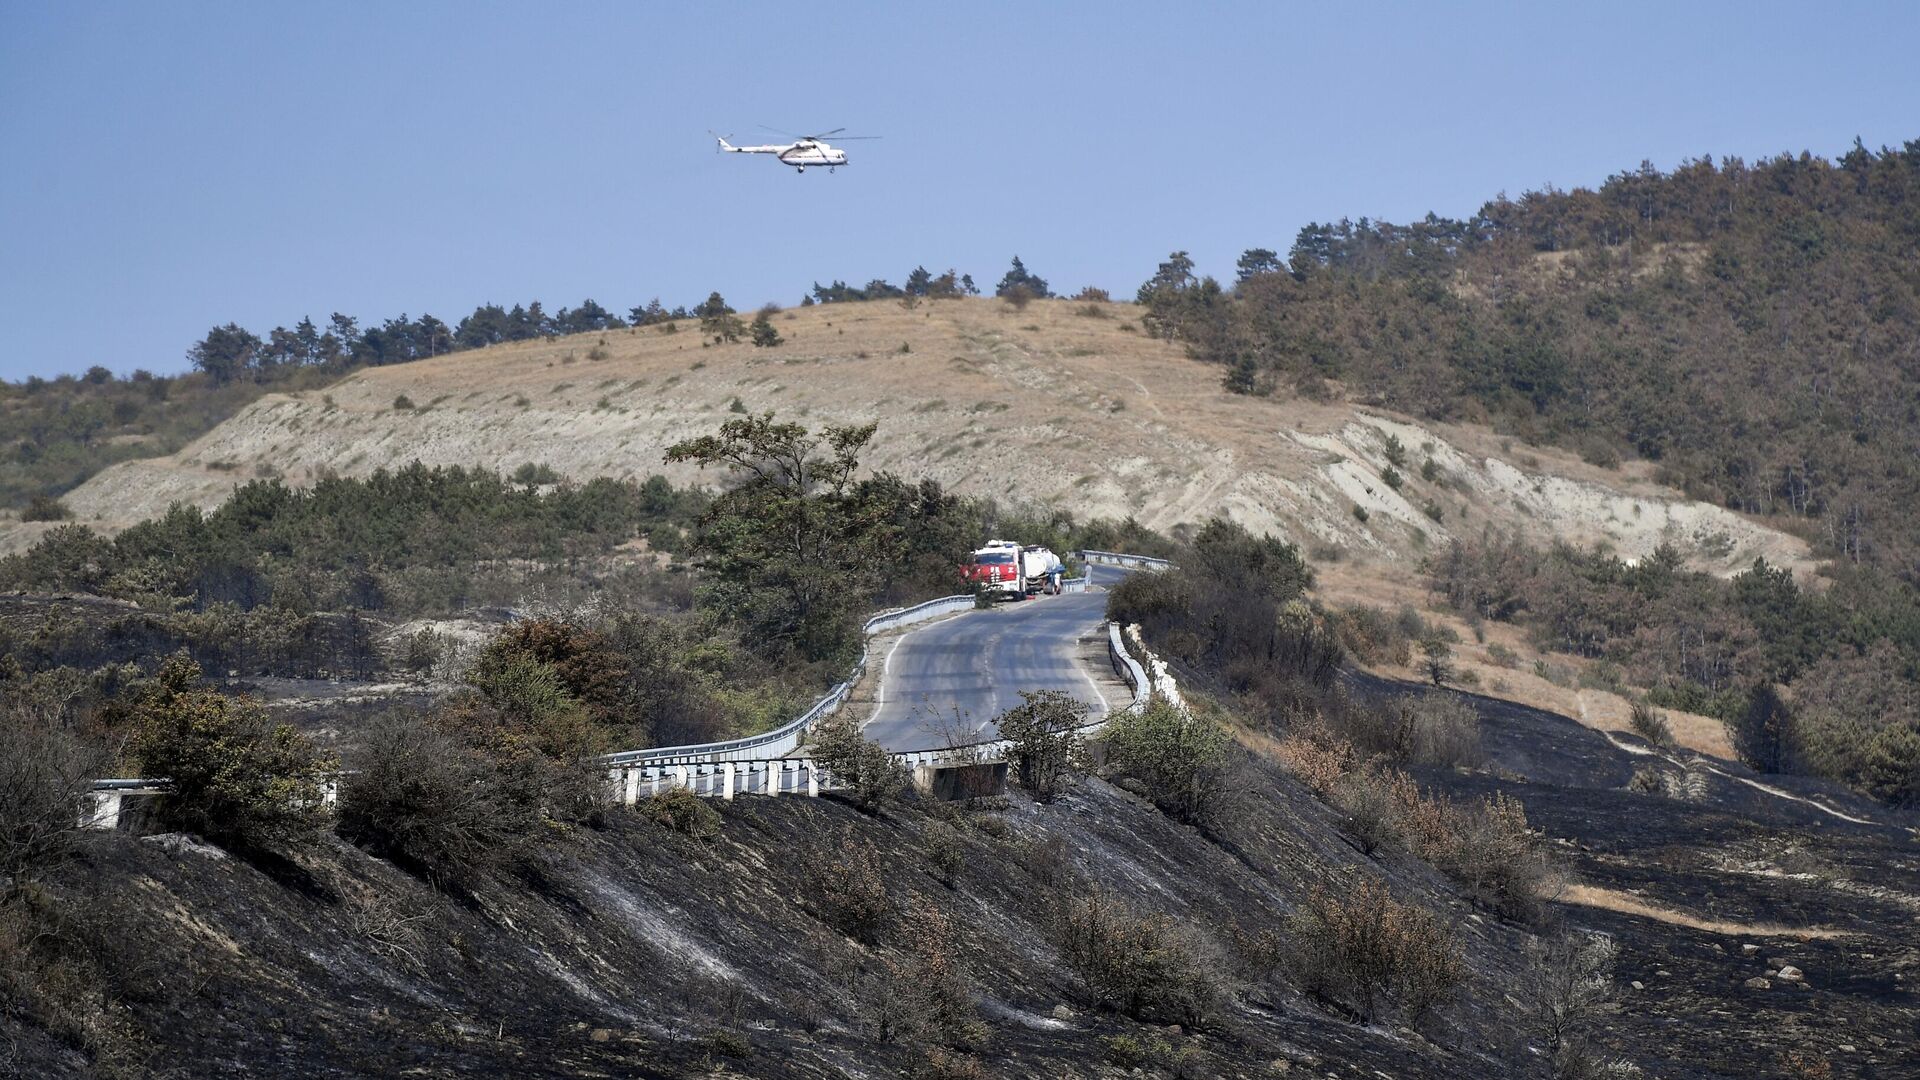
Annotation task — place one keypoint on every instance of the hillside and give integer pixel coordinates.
(1062, 402)
(634, 950)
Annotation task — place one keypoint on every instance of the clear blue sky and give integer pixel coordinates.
(166, 167)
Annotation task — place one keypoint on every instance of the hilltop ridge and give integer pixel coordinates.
(1062, 402)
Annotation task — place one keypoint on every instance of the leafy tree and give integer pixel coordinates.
(232, 775)
(788, 548)
(226, 353)
(947, 287)
(1396, 451)
(587, 318)
(585, 665)
(1018, 277)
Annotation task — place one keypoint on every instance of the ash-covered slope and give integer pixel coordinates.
(1061, 402)
(640, 952)
(637, 951)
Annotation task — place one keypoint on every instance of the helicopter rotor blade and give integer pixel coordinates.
(777, 131)
(824, 134)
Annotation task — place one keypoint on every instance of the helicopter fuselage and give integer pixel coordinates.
(801, 155)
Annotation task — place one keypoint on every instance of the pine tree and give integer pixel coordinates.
(1018, 276)
(717, 320)
(764, 333)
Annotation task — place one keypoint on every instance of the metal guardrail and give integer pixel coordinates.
(1129, 669)
(786, 738)
(1116, 558)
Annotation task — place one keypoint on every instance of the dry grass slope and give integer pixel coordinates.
(1045, 404)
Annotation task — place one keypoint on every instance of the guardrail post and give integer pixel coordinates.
(813, 779)
(632, 794)
(686, 777)
(776, 774)
(330, 792)
(726, 791)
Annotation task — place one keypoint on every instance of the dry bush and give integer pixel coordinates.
(1689, 784)
(1495, 854)
(1177, 756)
(923, 996)
(1047, 748)
(1312, 752)
(1805, 1065)
(57, 974)
(1431, 728)
(946, 853)
(851, 890)
(859, 766)
(1018, 297)
(389, 924)
(938, 1064)
(1148, 967)
(1372, 635)
(1369, 812)
(46, 776)
(1651, 724)
(1363, 950)
(1486, 846)
(1438, 729)
(683, 812)
(430, 802)
(1567, 999)
(1049, 862)
(45, 508)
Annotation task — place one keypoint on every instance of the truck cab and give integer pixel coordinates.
(996, 567)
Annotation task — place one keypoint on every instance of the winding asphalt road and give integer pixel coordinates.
(978, 662)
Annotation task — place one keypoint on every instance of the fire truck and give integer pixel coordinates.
(1005, 568)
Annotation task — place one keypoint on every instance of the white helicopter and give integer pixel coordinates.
(805, 150)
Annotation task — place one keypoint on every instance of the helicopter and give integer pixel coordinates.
(805, 150)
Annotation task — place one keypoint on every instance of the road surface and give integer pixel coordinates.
(978, 662)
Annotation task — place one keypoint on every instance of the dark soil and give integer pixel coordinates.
(1734, 854)
(634, 951)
